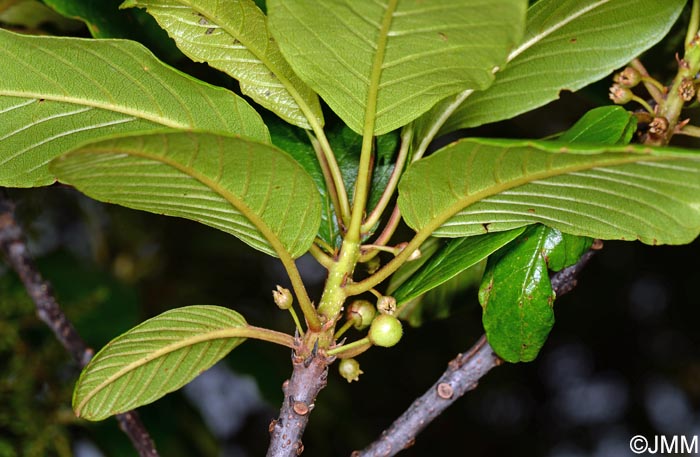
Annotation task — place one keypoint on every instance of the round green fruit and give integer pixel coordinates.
(385, 331)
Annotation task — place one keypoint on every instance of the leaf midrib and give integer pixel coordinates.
(222, 333)
(496, 189)
(238, 204)
(99, 105)
(261, 56)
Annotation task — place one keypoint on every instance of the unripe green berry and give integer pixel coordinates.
(361, 313)
(350, 369)
(385, 331)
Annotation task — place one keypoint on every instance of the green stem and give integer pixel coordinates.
(383, 237)
(388, 193)
(394, 264)
(689, 130)
(334, 179)
(295, 318)
(346, 326)
(263, 334)
(655, 89)
(320, 256)
(347, 347)
(307, 307)
(693, 24)
(644, 104)
(688, 67)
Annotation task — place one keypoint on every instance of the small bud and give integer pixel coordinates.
(386, 305)
(620, 95)
(686, 90)
(629, 77)
(658, 126)
(350, 369)
(361, 313)
(283, 297)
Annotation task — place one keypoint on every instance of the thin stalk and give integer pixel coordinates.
(656, 92)
(334, 169)
(439, 122)
(307, 307)
(689, 130)
(373, 218)
(346, 326)
(694, 23)
(295, 318)
(688, 67)
(321, 257)
(347, 347)
(327, 175)
(259, 333)
(394, 264)
(383, 237)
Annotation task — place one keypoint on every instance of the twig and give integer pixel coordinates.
(462, 375)
(40, 291)
(309, 377)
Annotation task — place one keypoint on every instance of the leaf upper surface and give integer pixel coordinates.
(154, 358)
(56, 93)
(568, 44)
(401, 55)
(251, 190)
(608, 192)
(232, 36)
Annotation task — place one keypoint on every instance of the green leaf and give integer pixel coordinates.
(295, 142)
(568, 44)
(609, 192)
(603, 125)
(56, 93)
(567, 249)
(233, 37)
(251, 190)
(155, 358)
(382, 64)
(105, 20)
(455, 257)
(517, 297)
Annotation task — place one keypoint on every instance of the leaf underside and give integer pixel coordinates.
(232, 36)
(61, 92)
(568, 44)
(154, 358)
(608, 192)
(404, 54)
(251, 190)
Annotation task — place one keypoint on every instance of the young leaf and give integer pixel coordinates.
(232, 37)
(516, 295)
(155, 358)
(251, 190)
(61, 92)
(384, 63)
(609, 192)
(603, 125)
(568, 44)
(455, 257)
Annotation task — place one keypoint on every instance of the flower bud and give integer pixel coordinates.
(361, 313)
(283, 297)
(350, 369)
(620, 95)
(629, 77)
(386, 305)
(686, 90)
